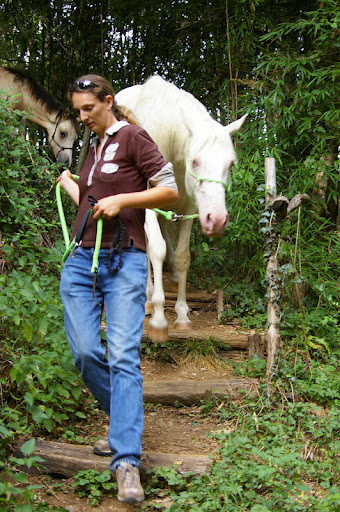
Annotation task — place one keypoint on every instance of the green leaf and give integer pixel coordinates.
(24, 508)
(49, 424)
(80, 414)
(20, 477)
(27, 332)
(28, 447)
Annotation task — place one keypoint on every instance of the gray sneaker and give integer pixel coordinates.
(129, 486)
(102, 448)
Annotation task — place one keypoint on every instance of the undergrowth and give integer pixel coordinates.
(277, 452)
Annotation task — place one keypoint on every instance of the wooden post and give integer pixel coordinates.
(219, 303)
(273, 308)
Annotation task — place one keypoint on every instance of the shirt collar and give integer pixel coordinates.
(111, 130)
(116, 127)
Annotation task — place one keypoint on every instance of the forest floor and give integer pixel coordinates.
(167, 429)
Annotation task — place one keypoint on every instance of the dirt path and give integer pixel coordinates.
(168, 429)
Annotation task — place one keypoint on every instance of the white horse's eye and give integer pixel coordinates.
(62, 135)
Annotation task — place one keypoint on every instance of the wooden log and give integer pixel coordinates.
(252, 339)
(200, 297)
(194, 296)
(189, 392)
(67, 460)
(280, 207)
(234, 355)
(257, 345)
(297, 201)
(232, 340)
(262, 350)
(192, 305)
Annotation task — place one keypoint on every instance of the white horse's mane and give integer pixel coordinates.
(175, 95)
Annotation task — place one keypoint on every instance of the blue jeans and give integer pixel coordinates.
(113, 376)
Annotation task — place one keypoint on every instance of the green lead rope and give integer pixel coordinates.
(72, 246)
(99, 235)
(169, 215)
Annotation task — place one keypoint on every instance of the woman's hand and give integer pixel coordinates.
(108, 207)
(65, 175)
(156, 197)
(67, 182)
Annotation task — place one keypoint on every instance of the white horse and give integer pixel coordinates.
(202, 154)
(43, 109)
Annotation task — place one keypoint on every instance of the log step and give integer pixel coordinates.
(233, 340)
(67, 460)
(189, 392)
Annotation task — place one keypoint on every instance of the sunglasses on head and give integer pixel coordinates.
(86, 84)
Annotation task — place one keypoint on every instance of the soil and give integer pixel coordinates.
(176, 430)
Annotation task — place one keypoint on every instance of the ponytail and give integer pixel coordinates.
(124, 114)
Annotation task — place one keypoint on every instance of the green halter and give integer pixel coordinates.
(198, 179)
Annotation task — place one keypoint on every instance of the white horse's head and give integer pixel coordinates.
(61, 136)
(210, 158)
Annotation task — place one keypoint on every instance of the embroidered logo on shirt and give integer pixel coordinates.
(110, 152)
(109, 168)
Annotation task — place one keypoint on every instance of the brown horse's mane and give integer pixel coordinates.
(40, 94)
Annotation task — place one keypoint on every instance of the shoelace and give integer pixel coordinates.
(129, 477)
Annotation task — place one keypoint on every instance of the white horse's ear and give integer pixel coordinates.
(235, 125)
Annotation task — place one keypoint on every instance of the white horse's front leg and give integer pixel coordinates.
(158, 325)
(182, 259)
(167, 228)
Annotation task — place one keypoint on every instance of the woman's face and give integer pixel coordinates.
(95, 114)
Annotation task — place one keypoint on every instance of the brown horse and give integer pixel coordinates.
(43, 109)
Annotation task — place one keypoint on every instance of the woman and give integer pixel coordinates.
(125, 173)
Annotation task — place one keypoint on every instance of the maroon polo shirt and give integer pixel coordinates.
(127, 160)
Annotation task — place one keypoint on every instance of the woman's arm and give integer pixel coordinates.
(156, 197)
(69, 185)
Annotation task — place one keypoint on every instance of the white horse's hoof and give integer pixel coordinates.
(182, 326)
(148, 309)
(158, 334)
